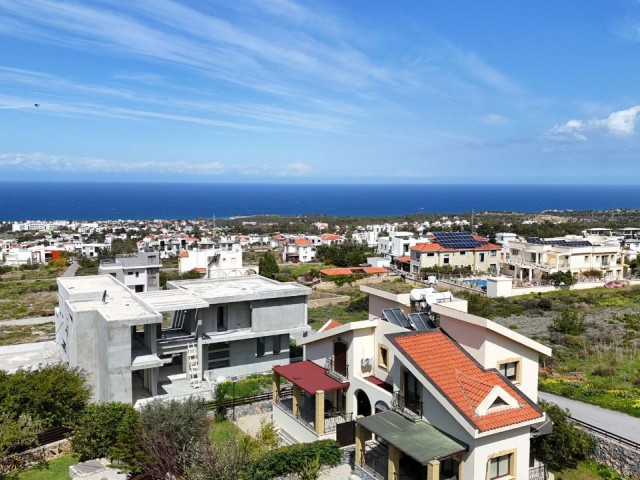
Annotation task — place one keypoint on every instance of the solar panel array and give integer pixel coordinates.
(421, 322)
(560, 243)
(396, 316)
(458, 240)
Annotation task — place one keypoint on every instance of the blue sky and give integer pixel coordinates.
(321, 91)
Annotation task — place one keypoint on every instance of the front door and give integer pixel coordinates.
(340, 358)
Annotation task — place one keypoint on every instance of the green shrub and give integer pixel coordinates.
(54, 395)
(566, 445)
(545, 304)
(108, 430)
(569, 322)
(293, 459)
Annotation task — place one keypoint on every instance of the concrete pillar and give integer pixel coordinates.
(320, 412)
(275, 387)
(393, 469)
(154, 374)
(361, 437)
(433, 470)
(334, 399)
(530, 273)
(295, 401)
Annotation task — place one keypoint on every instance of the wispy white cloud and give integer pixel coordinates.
(494, 119)
(42, 162)
(621, 123)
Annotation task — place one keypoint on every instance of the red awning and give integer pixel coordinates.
(309, 376)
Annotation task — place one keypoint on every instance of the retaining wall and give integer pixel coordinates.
(325, 302)
(623, 459)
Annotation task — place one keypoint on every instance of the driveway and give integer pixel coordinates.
(618, 423)
(71, 271)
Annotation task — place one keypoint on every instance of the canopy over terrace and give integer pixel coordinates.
(417, 439)
(309, 377)
(172, 300)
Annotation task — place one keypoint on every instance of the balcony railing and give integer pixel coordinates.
(409, 406)
(538, 473)
(308, 416)
(340, 374)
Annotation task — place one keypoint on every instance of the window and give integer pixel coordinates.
(482, 257)
(221, 319)
(445, 259)
(586, 258)
(137, 274)
(383, 357)
(431, 254)
(493, 253)
(218, 355)
(510, 369)
(463, 252)
(276, 344)
(260, 346)
(500, 466)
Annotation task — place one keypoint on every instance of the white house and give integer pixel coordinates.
(449, 395)
(223, 261)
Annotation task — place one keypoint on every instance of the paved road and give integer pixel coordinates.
(27, 321)
(615, 422)
(71, 271)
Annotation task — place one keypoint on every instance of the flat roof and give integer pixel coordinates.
(420, 440)
(239, 289)
(120, 303)
(172, 300)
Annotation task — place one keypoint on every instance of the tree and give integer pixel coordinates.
(110, 430)
(171, 432)
(566, 445)
(53, 395)
(560, 278)
(347, 254)
(268, 265)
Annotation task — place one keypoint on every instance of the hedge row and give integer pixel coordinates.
(292, 459)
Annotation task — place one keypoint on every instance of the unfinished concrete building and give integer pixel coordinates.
(135, 346)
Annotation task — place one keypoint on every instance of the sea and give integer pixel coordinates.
(138, 201)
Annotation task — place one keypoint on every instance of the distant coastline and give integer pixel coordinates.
(136, 201)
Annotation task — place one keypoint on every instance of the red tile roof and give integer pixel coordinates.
(336, 272)
(329, 325)
(201, 270)
(403, 259)
(462, 380)
(301, 242)
(309, 376)
(183, 254)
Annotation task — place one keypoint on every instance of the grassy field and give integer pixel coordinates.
(56, 469)
(587, 471)
(12, 335)
(223, 431)
(600, 365)
(28, 293)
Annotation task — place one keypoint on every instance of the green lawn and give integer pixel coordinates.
(587, 471)
(56, 469)
(223, 431)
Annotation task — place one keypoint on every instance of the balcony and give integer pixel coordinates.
(409, 406)
(307, 416)
(336, 371)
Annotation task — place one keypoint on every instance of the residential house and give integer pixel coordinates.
(298, 250)
(140, 272)
(397, 244)
(216, 328)
(456, 249)
(531, 258)
(223, 261)
(439, 396)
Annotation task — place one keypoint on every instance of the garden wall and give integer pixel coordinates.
(623, 459)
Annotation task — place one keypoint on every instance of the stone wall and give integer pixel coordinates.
(42, 453)
(623, 459)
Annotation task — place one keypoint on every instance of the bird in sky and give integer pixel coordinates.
(37, 105)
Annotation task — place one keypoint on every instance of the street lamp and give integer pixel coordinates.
(234, 379)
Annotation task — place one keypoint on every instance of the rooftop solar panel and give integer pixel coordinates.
(421, 321)
(397, 317)
(390, 317)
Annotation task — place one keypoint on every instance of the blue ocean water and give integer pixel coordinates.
(101, 201)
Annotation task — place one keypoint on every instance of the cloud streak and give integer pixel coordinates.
(42, 162)
(621, 123)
